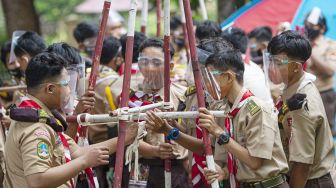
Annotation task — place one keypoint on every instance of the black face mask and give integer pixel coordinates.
(179, 42)
(257, 53)
(312, 33)
(89, 51)
(17, 73)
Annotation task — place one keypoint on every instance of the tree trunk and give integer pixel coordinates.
(20, 15)
(225, 8)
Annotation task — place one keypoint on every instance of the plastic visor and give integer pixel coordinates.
(152, 69)
(202, 57)
(210, 84)
(276, 68)
(16, 35)
(77, 86)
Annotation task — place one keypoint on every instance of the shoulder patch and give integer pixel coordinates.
(190, 90)
(43, 150)
(252, 107)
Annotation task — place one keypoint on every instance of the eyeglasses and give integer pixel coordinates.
(283, 59)
(62, 83)
(216, 72)
(146, 60)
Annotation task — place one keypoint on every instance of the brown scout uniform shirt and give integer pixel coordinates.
(176, 94)
(24, 156)
(326, 48)
(107, 78)
(256, 129)
(306, 134)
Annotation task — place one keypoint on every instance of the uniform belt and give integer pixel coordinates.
(268, 183)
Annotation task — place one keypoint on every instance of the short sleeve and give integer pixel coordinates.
(72, 144)
(260, 134)
(35, 148)
(302, 140)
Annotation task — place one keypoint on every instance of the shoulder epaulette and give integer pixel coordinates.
(190, 91)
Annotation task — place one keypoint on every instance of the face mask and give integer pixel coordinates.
(89, 51)
(17, 73)
(312, 33)
(179, 42)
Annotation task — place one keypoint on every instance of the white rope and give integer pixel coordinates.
(133, 148)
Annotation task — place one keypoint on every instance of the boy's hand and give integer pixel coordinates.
(219, 174)
(96, 156)
(86, 102)
(156, 124)
(165, 151)
(131, 133)
(207, 121)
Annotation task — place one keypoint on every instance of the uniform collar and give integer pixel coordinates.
(44, 107)
(305, 79)
(237, 100)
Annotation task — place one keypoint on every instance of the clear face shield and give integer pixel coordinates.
(152, 69)
(210, 83)
(202, 57)
(77, 86)
(16, 35)
(276, 68)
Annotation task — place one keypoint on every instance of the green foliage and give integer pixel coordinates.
(56, 9)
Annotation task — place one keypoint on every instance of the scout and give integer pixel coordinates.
(107, 90)
(322, 62)
(303, 122)
(38, 154)
(251, 135)
(153, 149)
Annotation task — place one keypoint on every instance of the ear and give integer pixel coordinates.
(263, 45)
(50, 88)
(171, 66)
(230, 77)
(297, 67)
(81, 46)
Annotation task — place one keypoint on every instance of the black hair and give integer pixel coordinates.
(228, 60)
(5, 51)
(31, 43)
(214, 45)
(207, 29)
(261, 34)
(85, 30)
(236, 37)
(69, 53)
(138, 39)
(292, 43)
(111, 47)
(42, 67)
(175, 22)
(322, 21)
(157, 43)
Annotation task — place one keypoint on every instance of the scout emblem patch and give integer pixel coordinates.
(43, 150)
(252, 107)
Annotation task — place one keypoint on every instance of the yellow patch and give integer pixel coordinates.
(252, 107)
(43, 150)
(190, 90)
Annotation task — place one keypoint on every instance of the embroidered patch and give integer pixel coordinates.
(43, 150)
(289, 121)
(190, 90)
(41, 133)
(252, 107)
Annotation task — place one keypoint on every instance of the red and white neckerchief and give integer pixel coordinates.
(232, 165)
(137, 99)
(197, 173)
(28, 103)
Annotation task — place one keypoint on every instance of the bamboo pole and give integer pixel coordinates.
(198, 84)
(125, 96)
(144, 16)
(158, 18)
